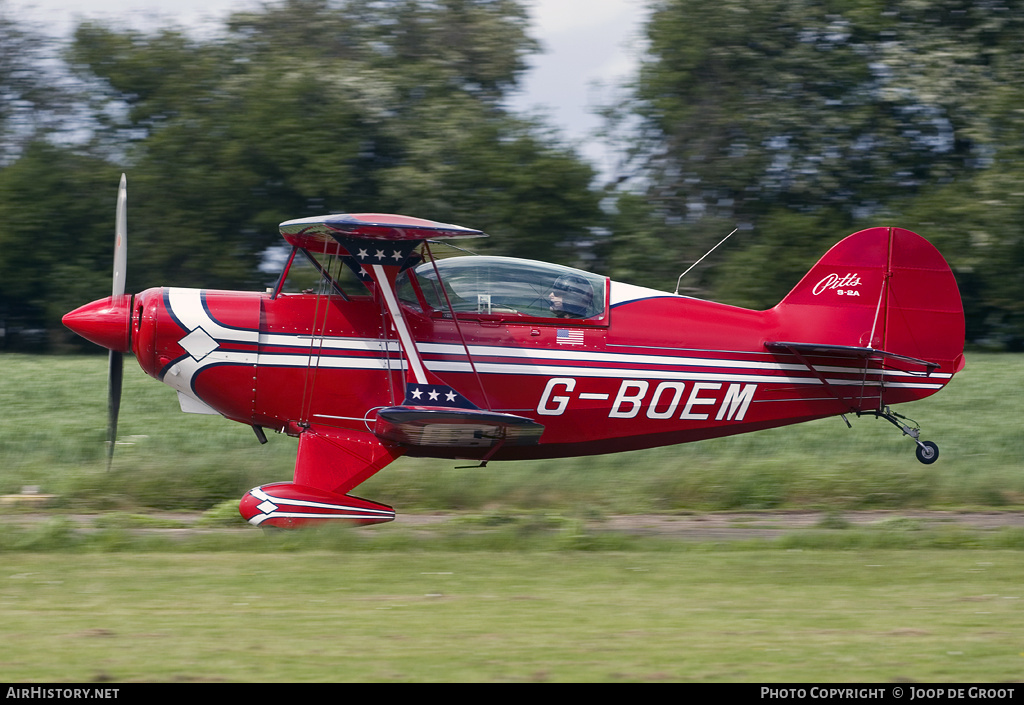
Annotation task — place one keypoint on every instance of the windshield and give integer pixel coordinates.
(505, 285)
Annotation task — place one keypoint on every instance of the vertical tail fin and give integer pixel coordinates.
(882, 288)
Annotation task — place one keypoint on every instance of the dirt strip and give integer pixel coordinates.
(766, 524)
(707, 526)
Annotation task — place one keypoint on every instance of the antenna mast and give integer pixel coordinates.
(702, 258)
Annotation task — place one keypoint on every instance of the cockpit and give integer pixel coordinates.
(503, 286)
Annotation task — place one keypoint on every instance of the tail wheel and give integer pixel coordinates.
(927, 452)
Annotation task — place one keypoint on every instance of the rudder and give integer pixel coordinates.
(882, 288)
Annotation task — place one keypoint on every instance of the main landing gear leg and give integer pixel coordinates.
(927, 452)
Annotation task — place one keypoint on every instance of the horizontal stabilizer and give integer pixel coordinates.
(447, 427)
(848, 351)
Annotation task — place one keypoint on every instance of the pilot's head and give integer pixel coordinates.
(571, 296)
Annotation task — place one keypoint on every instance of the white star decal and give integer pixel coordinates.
(434, 395)
(450, 396)
(363, 254)
(397, 256)
(416, 394)
(380, 254)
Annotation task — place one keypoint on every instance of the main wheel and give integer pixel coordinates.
(927, 452)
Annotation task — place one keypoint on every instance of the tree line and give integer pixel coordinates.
(797, 121)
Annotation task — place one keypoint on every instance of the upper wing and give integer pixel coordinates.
(312, 233)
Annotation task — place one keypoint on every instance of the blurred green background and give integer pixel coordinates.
(797, 121)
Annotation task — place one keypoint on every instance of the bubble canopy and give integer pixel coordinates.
(505, 286)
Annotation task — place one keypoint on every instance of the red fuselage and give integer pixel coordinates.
(656, 369)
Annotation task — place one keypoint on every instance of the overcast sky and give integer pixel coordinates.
(589, 45)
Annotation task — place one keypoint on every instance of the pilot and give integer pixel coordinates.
(571, 296)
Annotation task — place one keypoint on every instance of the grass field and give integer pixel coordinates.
(697, 615)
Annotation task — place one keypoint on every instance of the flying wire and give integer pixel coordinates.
(309, 384)
(458, 328)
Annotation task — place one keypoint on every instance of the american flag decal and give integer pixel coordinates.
(569, 337)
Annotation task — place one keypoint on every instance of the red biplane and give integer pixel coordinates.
(496, 358)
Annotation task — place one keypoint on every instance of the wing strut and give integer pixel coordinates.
(795, 350)
(801, 351)
(451, 310)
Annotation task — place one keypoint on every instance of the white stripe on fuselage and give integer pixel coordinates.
(578, 356)
(187, 306)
